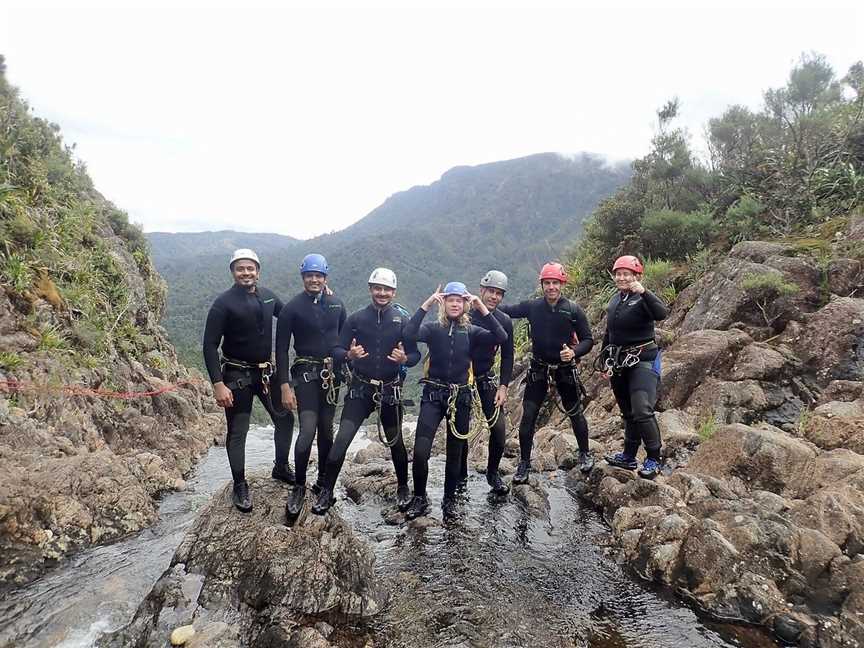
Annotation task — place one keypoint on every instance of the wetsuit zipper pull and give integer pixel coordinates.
(450, 334)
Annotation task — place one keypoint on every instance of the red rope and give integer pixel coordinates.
(17, 386)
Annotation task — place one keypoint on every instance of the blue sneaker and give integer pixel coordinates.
(650, 469)
(622, 460)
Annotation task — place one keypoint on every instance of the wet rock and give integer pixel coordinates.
(259, 577)
(373, 481)
(761, 458)
(553, 449)
(533, 497)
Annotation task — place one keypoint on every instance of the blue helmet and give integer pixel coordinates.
(314, 263)
(455, 288)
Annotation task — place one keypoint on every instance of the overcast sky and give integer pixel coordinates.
(301, 121)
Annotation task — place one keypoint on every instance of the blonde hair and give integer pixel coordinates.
(463, 321)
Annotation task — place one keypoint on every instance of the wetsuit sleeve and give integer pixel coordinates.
(583, 333)
(655, 306)
(213, 331)
(495, 335)
(277, 305)
(517, 311)
(343, 343)
(413, 331)
(410, 347)
(605, 338)
(507, 354)
(284, 327)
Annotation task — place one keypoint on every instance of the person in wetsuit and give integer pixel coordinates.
(446, 391)
(631, 360)
(374, 344)
(241, 322)
(314, 319)
(560, 335)
(492, 393)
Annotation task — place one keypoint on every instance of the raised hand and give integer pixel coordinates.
(477, 303)
(567, 354)
(398, 355)
(637, 287)
(434, 298)
(356, 351)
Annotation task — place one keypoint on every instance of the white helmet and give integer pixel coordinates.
(244, 253)
(383, 277)
(495, 279)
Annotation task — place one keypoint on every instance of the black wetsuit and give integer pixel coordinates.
(483, 362)
(630, 323)
(242, 323)
(314, 321)
(450, 349)
(551, 328)
(378, 332)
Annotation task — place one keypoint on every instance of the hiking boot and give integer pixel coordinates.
(496, 484)
(419, 507)
(403, 498)
(324, 502)
(586, 462)
(295, 501)
(650, 469)
(621, 460)
(241, 497)
(521, 476)
(448, 508)
(283, 472)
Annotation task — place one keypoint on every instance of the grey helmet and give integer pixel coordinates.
(494, 279)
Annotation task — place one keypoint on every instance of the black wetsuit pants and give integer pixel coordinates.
(497, 434)
(245, 385)
(358, 406)
(635, 391)
(569, 391)
(433, 408)
(316, 420)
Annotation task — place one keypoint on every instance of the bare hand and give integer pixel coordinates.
(327, 290)
(637, 287)
(224, 397)
(477, 303)
(398, 355)
(501, 396)
(606, 375)
(289, 399)
(356, 351)
(435, 297)
(567, 353)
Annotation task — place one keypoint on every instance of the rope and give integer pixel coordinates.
(18, 386)
(553, 386)
(378, 399)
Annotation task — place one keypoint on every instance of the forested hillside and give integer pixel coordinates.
(513, 215)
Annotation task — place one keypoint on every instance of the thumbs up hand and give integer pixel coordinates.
(398, 355)
(567, 353)
(356, 351)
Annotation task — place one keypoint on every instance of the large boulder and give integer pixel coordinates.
(837, 425)
(250, 580)
(761, 458)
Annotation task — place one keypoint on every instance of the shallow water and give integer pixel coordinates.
(498, 577)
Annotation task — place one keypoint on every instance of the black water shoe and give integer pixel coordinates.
(324, 502)
(295, 502)
(521, 476)
(403, 498)
(449, 509)
(419, 507)
(283, 472)
(242, 498)
(586, 462)
(496, 483)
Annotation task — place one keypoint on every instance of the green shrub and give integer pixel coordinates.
(743, 220)
(766, 291)
(669, 234)
(10, 361)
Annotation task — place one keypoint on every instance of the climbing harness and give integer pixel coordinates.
(486, 382)
(245, 379)
(615, 359)
(453, 392)
(546, 371)
(319, 369)
(378, 387)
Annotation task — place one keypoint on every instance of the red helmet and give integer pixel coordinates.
(553, 271)
(628, 262)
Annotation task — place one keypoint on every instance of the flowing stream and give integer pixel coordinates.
(497, 578)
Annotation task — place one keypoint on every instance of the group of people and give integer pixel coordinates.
(371, 349)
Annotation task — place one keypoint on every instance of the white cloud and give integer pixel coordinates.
(300, 121)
